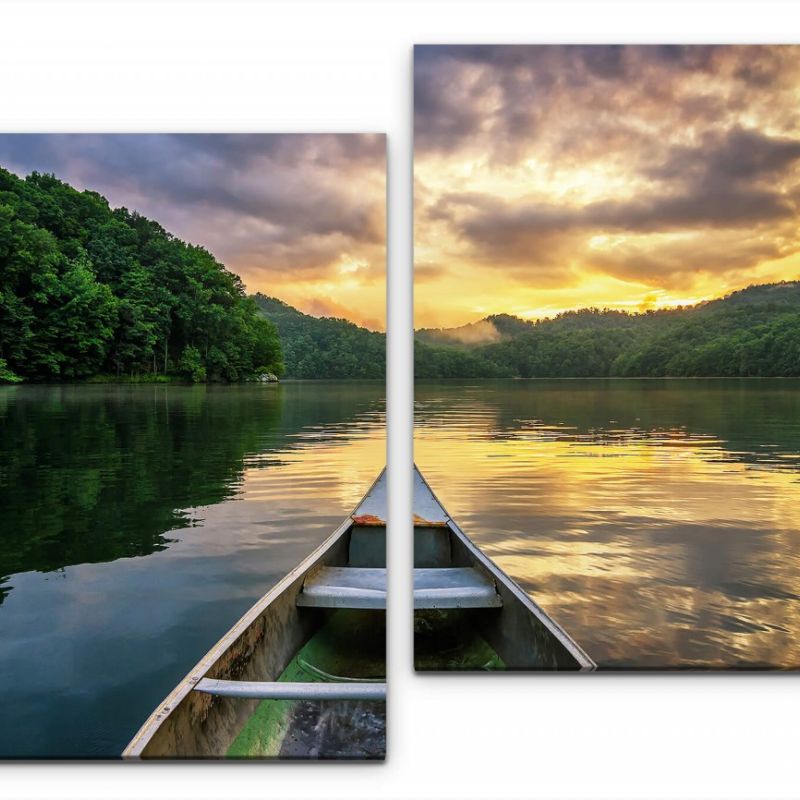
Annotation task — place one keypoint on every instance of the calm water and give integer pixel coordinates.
(657, 520)
(137, 523)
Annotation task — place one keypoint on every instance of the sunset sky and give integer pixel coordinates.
(549, 178)
(298, 216)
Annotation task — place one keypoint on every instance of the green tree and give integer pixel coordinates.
(86, 289)
(191, 365)
(6, 375)
(316, 347)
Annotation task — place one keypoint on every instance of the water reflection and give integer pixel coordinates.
(658, 521)
(94, 473)
(139, 522)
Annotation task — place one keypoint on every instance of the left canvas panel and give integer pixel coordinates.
(192, 498)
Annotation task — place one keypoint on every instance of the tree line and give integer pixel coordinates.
(325, 347)
(751, 333)
(87, 290)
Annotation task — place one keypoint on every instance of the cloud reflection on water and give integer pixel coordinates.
(658, 540)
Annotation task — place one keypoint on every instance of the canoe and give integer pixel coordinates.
(468, 614)
(302, 673)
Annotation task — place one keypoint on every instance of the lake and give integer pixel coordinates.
(657, 520)
(137, 523)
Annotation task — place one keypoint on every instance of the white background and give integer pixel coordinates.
(303, 66)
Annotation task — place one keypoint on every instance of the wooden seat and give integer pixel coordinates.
(354, 587)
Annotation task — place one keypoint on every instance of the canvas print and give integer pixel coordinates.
(192, 495)
(607, 354)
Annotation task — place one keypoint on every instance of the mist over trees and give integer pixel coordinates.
(751, 333)
(87, 290)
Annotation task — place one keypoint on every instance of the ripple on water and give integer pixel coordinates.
(658, 521)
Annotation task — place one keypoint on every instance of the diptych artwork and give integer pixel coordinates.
(194, 495)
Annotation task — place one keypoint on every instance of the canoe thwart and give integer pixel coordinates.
(353, 587)
(344, 587)
(454, 587)
(284, 690)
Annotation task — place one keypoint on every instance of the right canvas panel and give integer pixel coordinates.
(607, 352)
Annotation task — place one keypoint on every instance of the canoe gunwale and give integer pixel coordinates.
(135, 748)
(585, 663)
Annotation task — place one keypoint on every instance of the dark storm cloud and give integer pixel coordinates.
(501, 99)
(737, 155)
(498, 94)
(702, 141)
(282, 201)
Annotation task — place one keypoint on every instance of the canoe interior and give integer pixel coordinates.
(196, 725)
(448, 640)
(512, 637)
(276, 640)
(350, 645)
(519, 635)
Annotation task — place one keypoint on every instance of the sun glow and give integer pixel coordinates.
(542, 185)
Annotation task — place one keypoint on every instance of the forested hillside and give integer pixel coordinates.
(87, 290)
(324, 347)
(753, 332)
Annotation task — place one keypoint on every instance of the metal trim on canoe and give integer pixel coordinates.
(372, 509)
(143, 736)
(285, 690)
(432, 505)
(427, 508)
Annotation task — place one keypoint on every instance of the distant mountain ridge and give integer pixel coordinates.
(324, 347)
(750, 332)
(501, 327)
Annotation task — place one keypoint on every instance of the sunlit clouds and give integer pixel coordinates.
(550, 178)
(297, 216)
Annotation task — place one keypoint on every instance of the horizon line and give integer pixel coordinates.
(606, 308)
